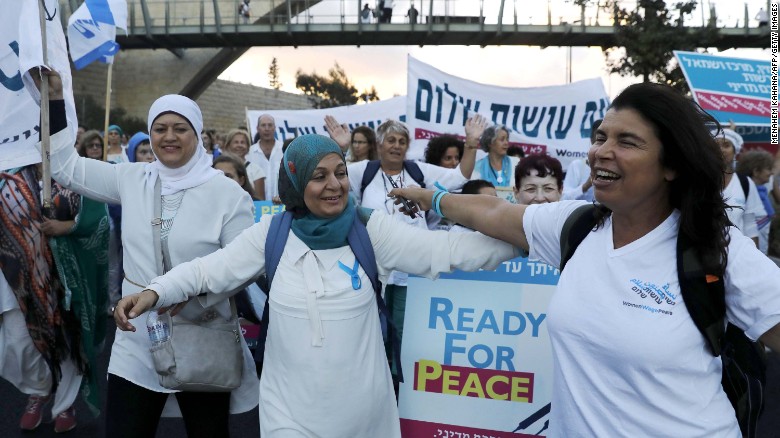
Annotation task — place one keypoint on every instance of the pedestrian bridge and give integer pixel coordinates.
(180, 24)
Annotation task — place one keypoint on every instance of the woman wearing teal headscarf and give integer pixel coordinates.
(325, 371)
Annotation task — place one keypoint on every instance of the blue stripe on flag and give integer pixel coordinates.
(109, 48)
(100, 11)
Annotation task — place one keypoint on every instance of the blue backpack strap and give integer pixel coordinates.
(415, 172)
(275, 242)
(274, 247)
(360, 243)
(372, 167)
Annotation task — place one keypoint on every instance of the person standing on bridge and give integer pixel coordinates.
(412, 13)
(243, 11)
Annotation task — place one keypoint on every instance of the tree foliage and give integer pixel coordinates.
(649, 34)
(328, 91)
(273, 75)
(92, 115)
(369, 95)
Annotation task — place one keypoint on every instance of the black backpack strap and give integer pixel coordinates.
(704, 294)
(372, 167)
(743, 181)
(577, 226)
(413, 169)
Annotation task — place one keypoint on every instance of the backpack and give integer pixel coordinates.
(743, 181)
(360, 243)
(744, 361)
(373, 167)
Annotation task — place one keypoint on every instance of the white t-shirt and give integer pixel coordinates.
(628, 359)
(577, 174)
(269, 165)
(254, 172)
(743, 213)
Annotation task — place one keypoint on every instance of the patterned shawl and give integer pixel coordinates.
(28, 266)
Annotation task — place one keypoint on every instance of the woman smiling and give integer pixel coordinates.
(624, 362)
(200, 213)
(323, 312)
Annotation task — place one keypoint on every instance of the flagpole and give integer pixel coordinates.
(108, 109)
(45, 134)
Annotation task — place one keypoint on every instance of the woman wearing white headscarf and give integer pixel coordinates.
(200, 214)
(744, 203)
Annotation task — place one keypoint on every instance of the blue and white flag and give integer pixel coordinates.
(21, 50)
(92, 31)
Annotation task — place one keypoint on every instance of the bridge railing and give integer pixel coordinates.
(168, 13)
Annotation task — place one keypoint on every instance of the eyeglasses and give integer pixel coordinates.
(95, 146)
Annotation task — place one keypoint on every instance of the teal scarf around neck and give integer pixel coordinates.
(322, 233)
(487, 172)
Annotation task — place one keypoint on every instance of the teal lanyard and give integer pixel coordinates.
(353, 273)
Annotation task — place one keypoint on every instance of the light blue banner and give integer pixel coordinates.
(266, 207)
(747, 77)
(731, 89)
(518, 270)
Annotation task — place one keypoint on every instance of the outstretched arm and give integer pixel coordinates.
(489, 215)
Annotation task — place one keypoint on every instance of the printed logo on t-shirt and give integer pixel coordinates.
(652, 298)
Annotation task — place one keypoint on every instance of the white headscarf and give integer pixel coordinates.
(198, 169)
(735, 139)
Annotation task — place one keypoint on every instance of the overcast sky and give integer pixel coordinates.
(515, 66)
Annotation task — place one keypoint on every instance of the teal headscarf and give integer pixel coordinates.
(117, 129)
(300, 160)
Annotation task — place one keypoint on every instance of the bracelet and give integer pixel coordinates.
(436, 201)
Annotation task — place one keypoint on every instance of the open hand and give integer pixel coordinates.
(339, 133)
(475, 126)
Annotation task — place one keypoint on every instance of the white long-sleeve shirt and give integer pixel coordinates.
(210, 215)
(325, 371)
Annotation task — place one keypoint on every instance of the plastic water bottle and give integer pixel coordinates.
(158, 327)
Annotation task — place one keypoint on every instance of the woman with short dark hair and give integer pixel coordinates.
(538, 179)
(444, 150)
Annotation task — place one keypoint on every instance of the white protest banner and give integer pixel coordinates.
(20, 50)
(554, 119)
(290, 123)
(476, 355)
